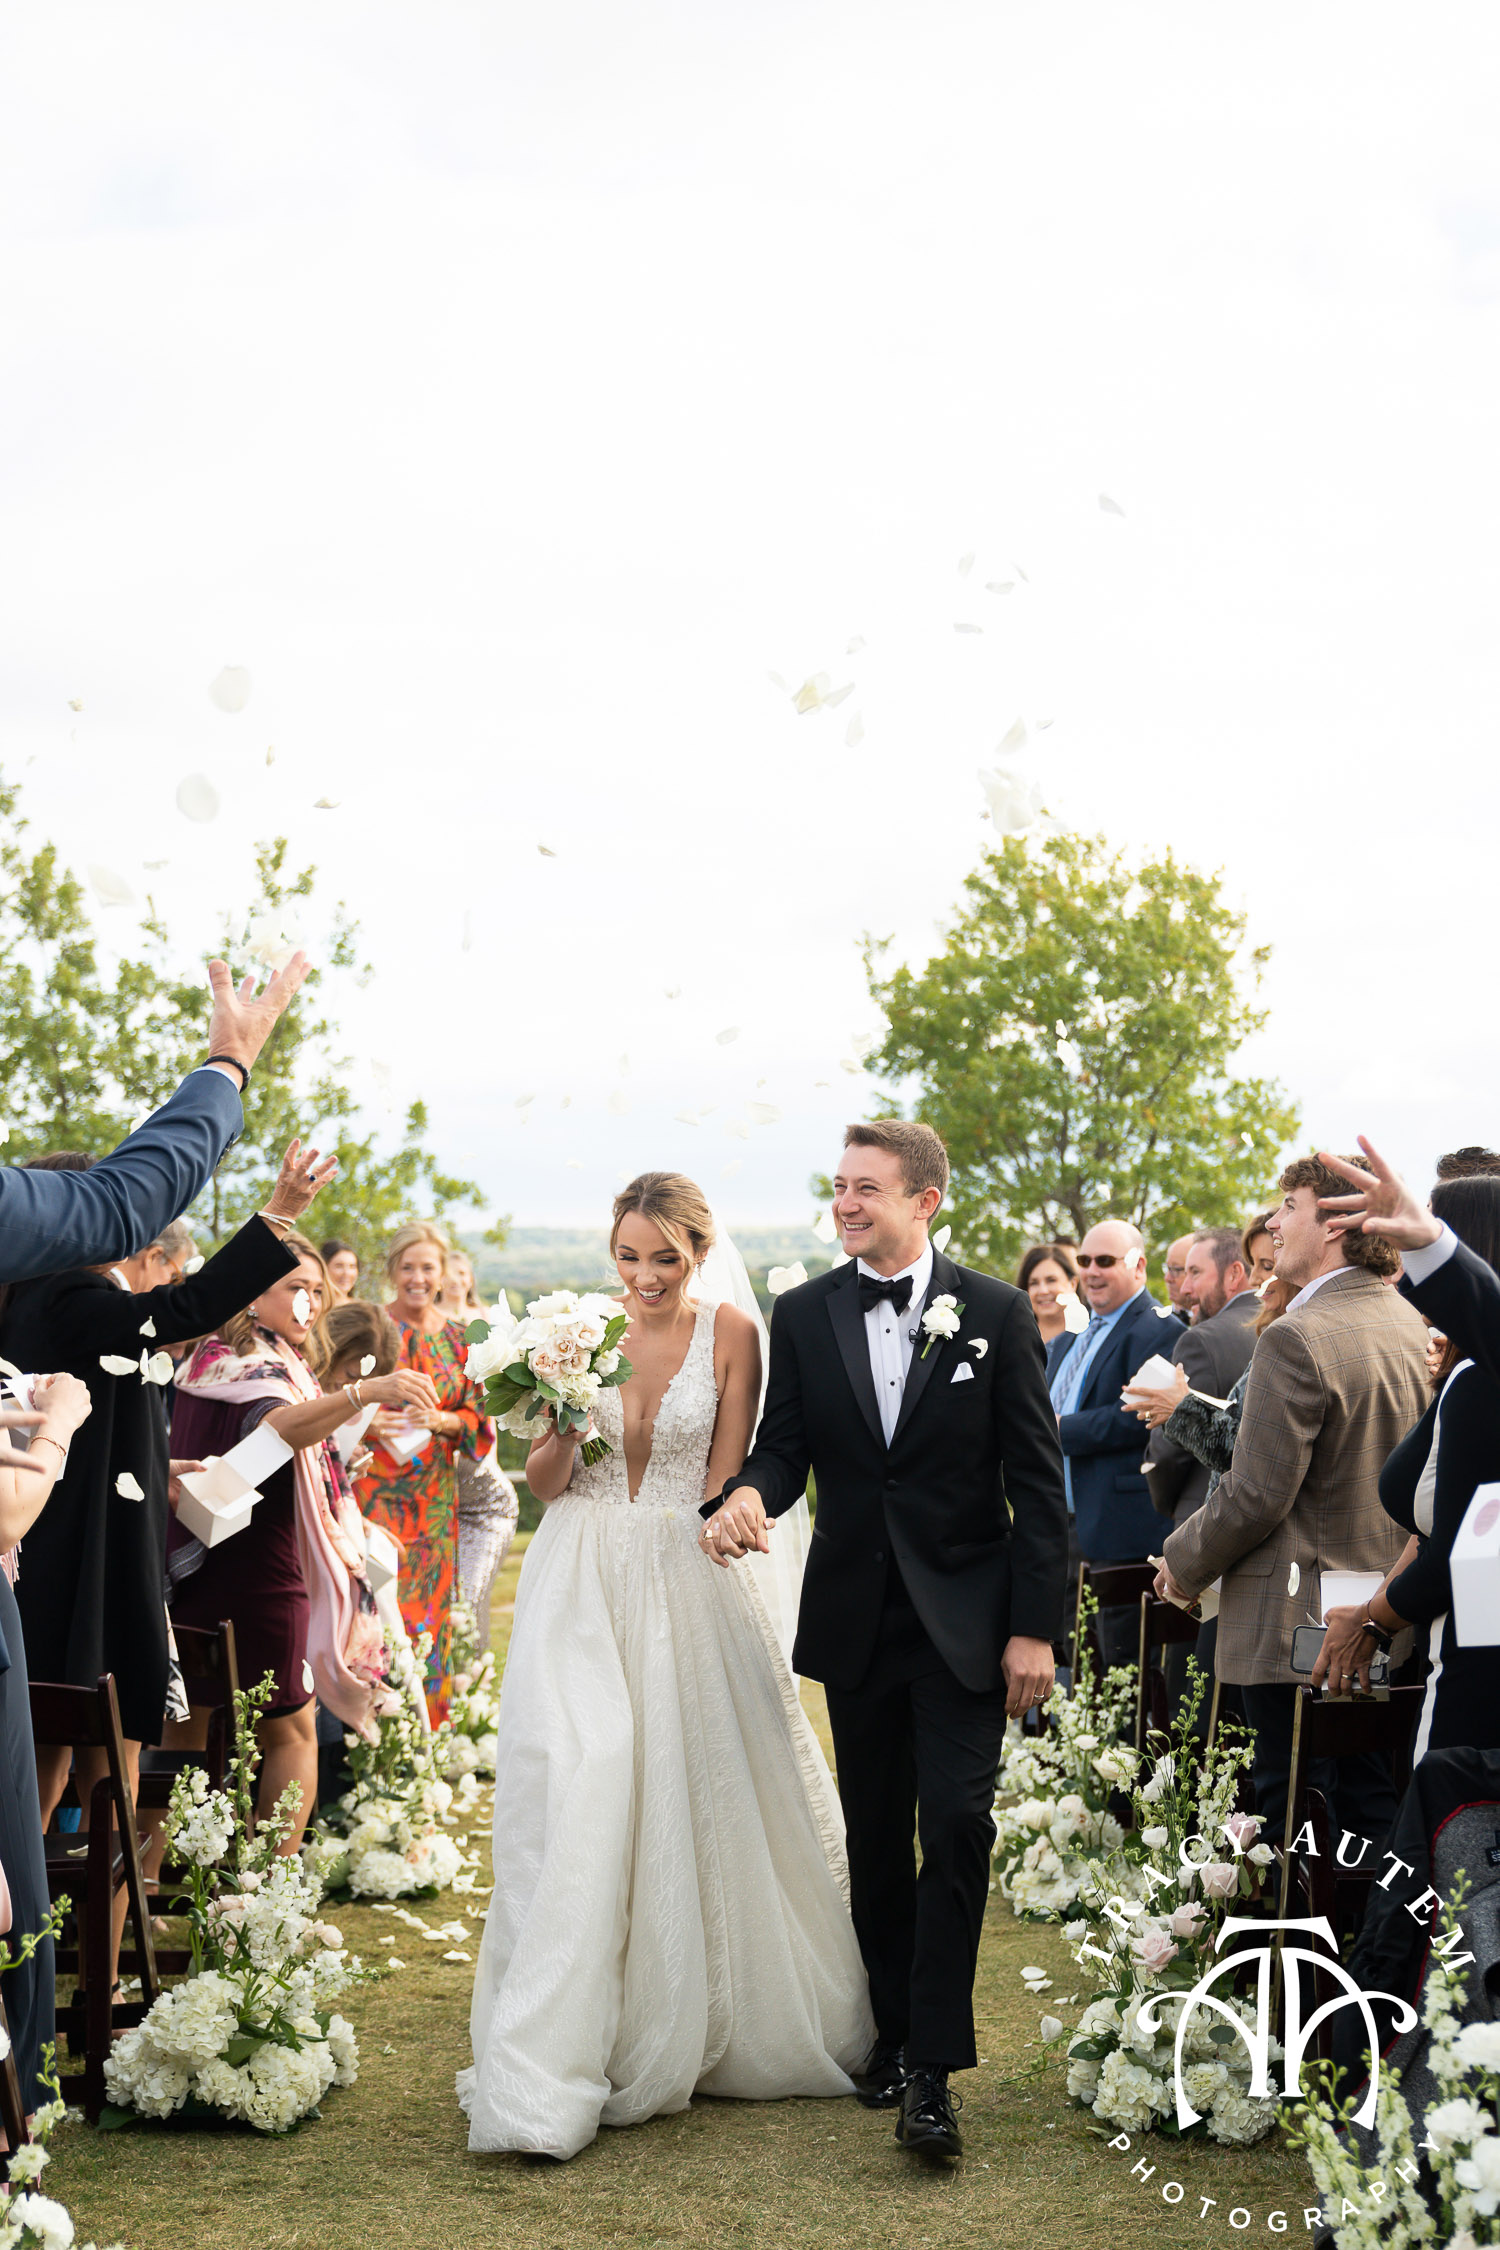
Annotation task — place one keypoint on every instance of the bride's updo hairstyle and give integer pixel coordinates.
(675, 1204)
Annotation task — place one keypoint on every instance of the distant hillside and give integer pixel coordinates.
(539, 1258)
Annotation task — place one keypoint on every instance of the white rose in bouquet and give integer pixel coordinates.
(560, 1356)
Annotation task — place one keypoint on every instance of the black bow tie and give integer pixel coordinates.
(873, 1291)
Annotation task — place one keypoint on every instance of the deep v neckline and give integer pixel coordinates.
(692, 1345)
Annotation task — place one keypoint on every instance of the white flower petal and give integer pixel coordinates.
(855, 645)
(113, 1364)
(825, 1227)
(671, 991)
(148, 1328)
(782, 1278)
(966, 628)
(109, 888)
(457, 1956)
(736, 1128)
(1014, 800)
(75, 703)
(619, 1103)
(197, 798)
(367, 1364)
(723, 1038)
(839, 695)
(764, 1113)
(195, 1263)
(1014, 738)
(158, 1368)
(979, 1345)
(854, 732)
(326, 804)
(308, 1682)
(128, 1487)
(777, 681)
(524, 1101)
(231, 689)
(965, 565)
(685, 1116)
(1108, 507)
(727, 1171)
(546, 851)
(999, 585)
(942, 1238)
(1293, 1579)
(301, 1308)
(270, 753)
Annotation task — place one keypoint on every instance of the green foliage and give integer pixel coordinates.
(1139, 974)
(82, 1059)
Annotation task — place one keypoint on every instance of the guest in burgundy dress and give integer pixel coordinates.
(292, 1582)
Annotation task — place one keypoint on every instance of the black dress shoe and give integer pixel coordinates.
(927, 2125)
(880, 2083)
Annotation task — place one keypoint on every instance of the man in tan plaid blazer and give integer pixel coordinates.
(1334, 1385)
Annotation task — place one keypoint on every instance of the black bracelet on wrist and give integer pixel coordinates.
(234, 1064)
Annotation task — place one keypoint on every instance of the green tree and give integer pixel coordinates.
(1072, 1043)
(83, 1057)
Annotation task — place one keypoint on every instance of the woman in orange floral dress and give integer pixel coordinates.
(410, 1486)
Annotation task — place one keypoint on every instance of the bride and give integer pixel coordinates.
(669, 1913)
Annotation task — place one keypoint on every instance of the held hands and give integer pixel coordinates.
(299, 1180)
(1384, 1204)
(740, 1527)
(243, 1019)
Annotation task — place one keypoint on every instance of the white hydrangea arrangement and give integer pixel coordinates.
(1052, 1816)
(384, 1837)
(1147, 1916)
(1445, 2188)
(251, 2032)
(30, 2220)
(466, 1742)
(565, 1351)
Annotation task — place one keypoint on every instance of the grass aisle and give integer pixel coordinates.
(388, 2162)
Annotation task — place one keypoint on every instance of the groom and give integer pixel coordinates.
(915, 1391)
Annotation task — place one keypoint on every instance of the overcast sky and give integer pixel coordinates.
(510, 391)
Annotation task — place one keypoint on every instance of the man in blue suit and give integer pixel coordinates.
(51, 1221)
(1109, 1505)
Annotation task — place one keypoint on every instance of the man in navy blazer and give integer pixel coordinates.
(51, 1221)
(1103, 1445)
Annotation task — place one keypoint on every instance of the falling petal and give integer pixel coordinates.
(760, 1081)
(128, 1487)
(685, 1116)
(672, 991)
(979, 1345)
(1014, 738)
(855, 645)
(1014, 800)
(75, 703)
(840, 1258)
(825, 1227)
(764, 1113)
(148, 1328)
(367, 1364)
(854, 732)
(565, 1101)
(723, 1038)
(158, 1368)
(623, 1066)
(1042, 725)
(575, 1163)
(1020, 573)
(1068, 1055)
(942, 1238)
(863, 1044)
(1293, 1579)
(619, 1103)
(113, 1364)
(777, 681)
(736, 1128)
(965, 565)
(826, 1085)
(466, 938)
(727, 1171)
(195, 1263)
(1108, 507)
(155, 864)
(308, 1682)
(809, 697)
(782, 1278)
(270, 753)
(854, 1069)
(197, 798)
(301, 1307)
(326, 804)
(231, 690)
(708, 1109)
(839, 695)
(999, 585)
(524, 1101)
(110, 889)
(546, 851)
(968, 628)
(1248, 1139)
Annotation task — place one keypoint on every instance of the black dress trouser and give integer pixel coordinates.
(919, 1756)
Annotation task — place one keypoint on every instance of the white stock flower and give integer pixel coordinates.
(48, 2221)
(1478, 2046)
(1459, 2120)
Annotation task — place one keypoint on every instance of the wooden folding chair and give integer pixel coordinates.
(1114, 1586)
(1338, 1727)
(1162, 1623)
(90, 1867)
(210, 1675)
(12, 2103)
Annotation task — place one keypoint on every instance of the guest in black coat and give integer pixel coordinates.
(1426, 1486)
(91, 1586)
(61, 1405)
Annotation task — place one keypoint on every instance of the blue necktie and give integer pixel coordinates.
(1068, 1380)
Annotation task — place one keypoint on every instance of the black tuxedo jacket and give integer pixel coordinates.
(967, 1498)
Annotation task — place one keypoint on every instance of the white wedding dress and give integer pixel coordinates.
(669, 1914)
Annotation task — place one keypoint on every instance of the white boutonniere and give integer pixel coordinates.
(940, 1321)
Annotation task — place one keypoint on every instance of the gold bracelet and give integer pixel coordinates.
(41, 1437)
(275, 1219)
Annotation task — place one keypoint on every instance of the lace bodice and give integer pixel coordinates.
(676, 1473)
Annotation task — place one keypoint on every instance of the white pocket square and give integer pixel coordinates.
(963, 1373)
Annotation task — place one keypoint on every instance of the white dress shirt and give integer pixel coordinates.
(891, 1337)
(1420, 1265)
(1311, 1288)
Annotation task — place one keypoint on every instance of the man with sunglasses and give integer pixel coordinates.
(1110, 1516)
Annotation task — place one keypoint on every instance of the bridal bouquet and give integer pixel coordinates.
(562, 1355)
(251, 2032)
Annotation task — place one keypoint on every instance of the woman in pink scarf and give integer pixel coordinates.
(292, 1582)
